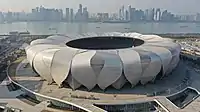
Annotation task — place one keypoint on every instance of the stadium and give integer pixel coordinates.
(103, 60)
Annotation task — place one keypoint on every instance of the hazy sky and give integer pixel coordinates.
(176, 6)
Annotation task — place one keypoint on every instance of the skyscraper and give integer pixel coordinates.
(198, 17)
(157, 15)
(79, 14)
(9, 17)
(120, 14)
(152, 14)
(149, 14)
(123, 13)
(164, 15)
(85, 14)
(67, 15)
(71, 15)
(103, 16)
(34, 14)
(42, 13)
(130, 12)
(133, 15)
(1, 17)
(80, 8)
(60, 14)
(126, 15)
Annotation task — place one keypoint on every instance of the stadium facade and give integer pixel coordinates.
(109, 59)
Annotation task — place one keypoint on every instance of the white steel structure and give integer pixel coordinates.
(109, 59)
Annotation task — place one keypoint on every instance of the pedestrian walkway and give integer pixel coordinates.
(11, 100)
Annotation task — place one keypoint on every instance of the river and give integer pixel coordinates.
(74, 28)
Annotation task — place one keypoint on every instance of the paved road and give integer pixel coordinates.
(12, 99)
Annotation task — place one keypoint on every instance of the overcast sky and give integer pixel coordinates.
(176, 6)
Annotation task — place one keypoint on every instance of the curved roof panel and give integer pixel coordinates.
(61, 64)
(42, 63)
(131, 65)
(111, 71)
(82, 71)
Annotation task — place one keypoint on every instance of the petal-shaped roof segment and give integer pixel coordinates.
(42, 63)
(73, 83)
(175, 50)
(97, 63)
(132, 35)
(145, 59)
(119, 83)
(131, 65)
(38, 41)
(164, 54)
(111, 71)
(173, 63)
(152, 68)
(31, 51)
(82, 71)
(61, 64)
(167, 44)
(58, 38)
(151, 38)
(45, 41)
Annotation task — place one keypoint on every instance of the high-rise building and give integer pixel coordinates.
(167, 16)
(198, 17)
(157, 16)
(120, 14)
(85, 14)
(41, 13)
(9, 17)
(67, 15)
(34, 14)
(130, 12)
(138, 15)
(60, 14)
(123, 13)
(133, 15)
(79, 14)
(1, 17)
(71, 15)
(113, 16)
(103, 16)
(152, 14)
(80, 8)
(126, 15)
(149, 14)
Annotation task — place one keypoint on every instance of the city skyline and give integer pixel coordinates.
(82, 14)
(184, 6)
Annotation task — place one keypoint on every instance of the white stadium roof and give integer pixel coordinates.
(87, 61)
